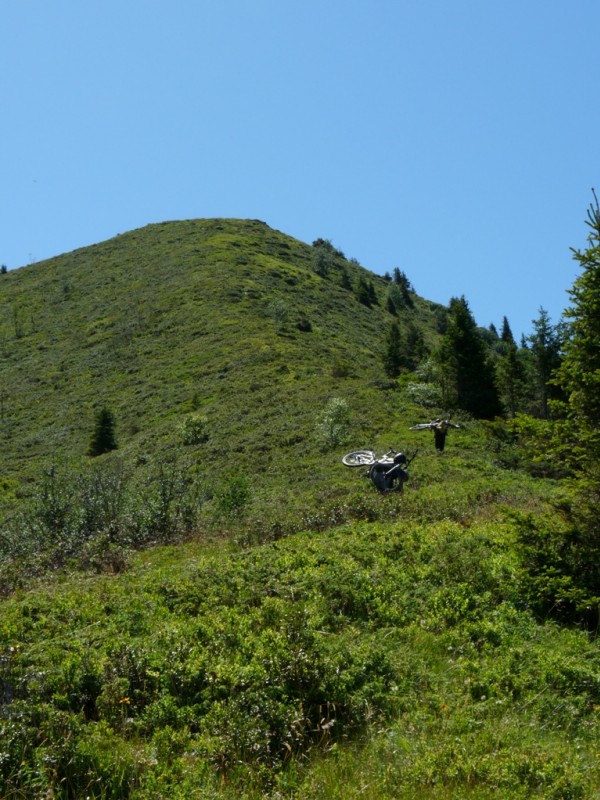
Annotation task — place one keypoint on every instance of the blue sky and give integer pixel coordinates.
(454, 139)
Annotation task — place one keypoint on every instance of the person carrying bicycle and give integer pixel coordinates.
(440, 428)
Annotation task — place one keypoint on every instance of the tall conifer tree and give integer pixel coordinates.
(393, 357)
(545, 348)
(466, 366)
(579, 373)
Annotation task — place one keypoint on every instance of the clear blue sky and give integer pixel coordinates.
(455, 139)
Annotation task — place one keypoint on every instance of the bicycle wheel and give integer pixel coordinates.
(386, 478)
(359, 458)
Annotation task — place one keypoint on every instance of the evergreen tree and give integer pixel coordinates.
(415, 347)
(103, 437)
(393, 358)
(372, 294)
(545, 347)
(395, 297)
(506, 335)
(363, 294)
(403, 284)
(345, 281)
(511, 378)
(467, 369)
(561, 562)
(579, 372)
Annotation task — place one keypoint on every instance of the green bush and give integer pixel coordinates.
(94, 517)
(233, 497)
(333, 424)
(560, 562)
(194, 429)
(279, 313)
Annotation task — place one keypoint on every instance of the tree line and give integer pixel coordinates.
(481, 371)
(544, 394)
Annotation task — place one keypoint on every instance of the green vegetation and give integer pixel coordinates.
(468, 370)
(103, 438)
(579, 371)
(219, 608)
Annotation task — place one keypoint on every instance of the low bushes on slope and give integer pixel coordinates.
(195, 665)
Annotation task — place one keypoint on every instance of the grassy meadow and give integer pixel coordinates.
(219, 608)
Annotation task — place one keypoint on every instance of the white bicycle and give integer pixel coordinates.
(387, 472)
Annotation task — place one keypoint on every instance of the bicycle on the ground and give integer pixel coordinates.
(388, 472)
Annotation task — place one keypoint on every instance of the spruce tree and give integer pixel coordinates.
(363, 293)
(103, 437)
(402, 282)
(545, 353)
(393, 357)
(466, 366)
(562, 563)
(372, 295)
(506, 335)
(579, 372)
(345, 282)
(511, 378)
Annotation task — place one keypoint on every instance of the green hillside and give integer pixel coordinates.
(178, 317)
(218, 608)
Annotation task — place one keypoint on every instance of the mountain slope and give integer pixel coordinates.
(306, 636)
(177, 317)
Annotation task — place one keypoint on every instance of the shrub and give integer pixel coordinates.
(279, 313)
(233, 497)
(334, 423)
(304, 324)
(341, 368)
(194, 429)
(428, 395)
(560, 563)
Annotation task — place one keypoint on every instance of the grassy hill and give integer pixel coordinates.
(178, 320)
(291, 632)
(172, 318)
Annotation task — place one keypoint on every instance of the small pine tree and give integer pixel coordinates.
(511, 378)
(363, 294)
(506, 335)
(402, 282)
(103, 437)
(545, 347)
(372, 295)
(393, 356)
(345, 282)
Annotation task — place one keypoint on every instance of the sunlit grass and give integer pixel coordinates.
(252, 619)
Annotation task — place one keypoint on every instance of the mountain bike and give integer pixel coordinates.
(388, 472)
(440, 428)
